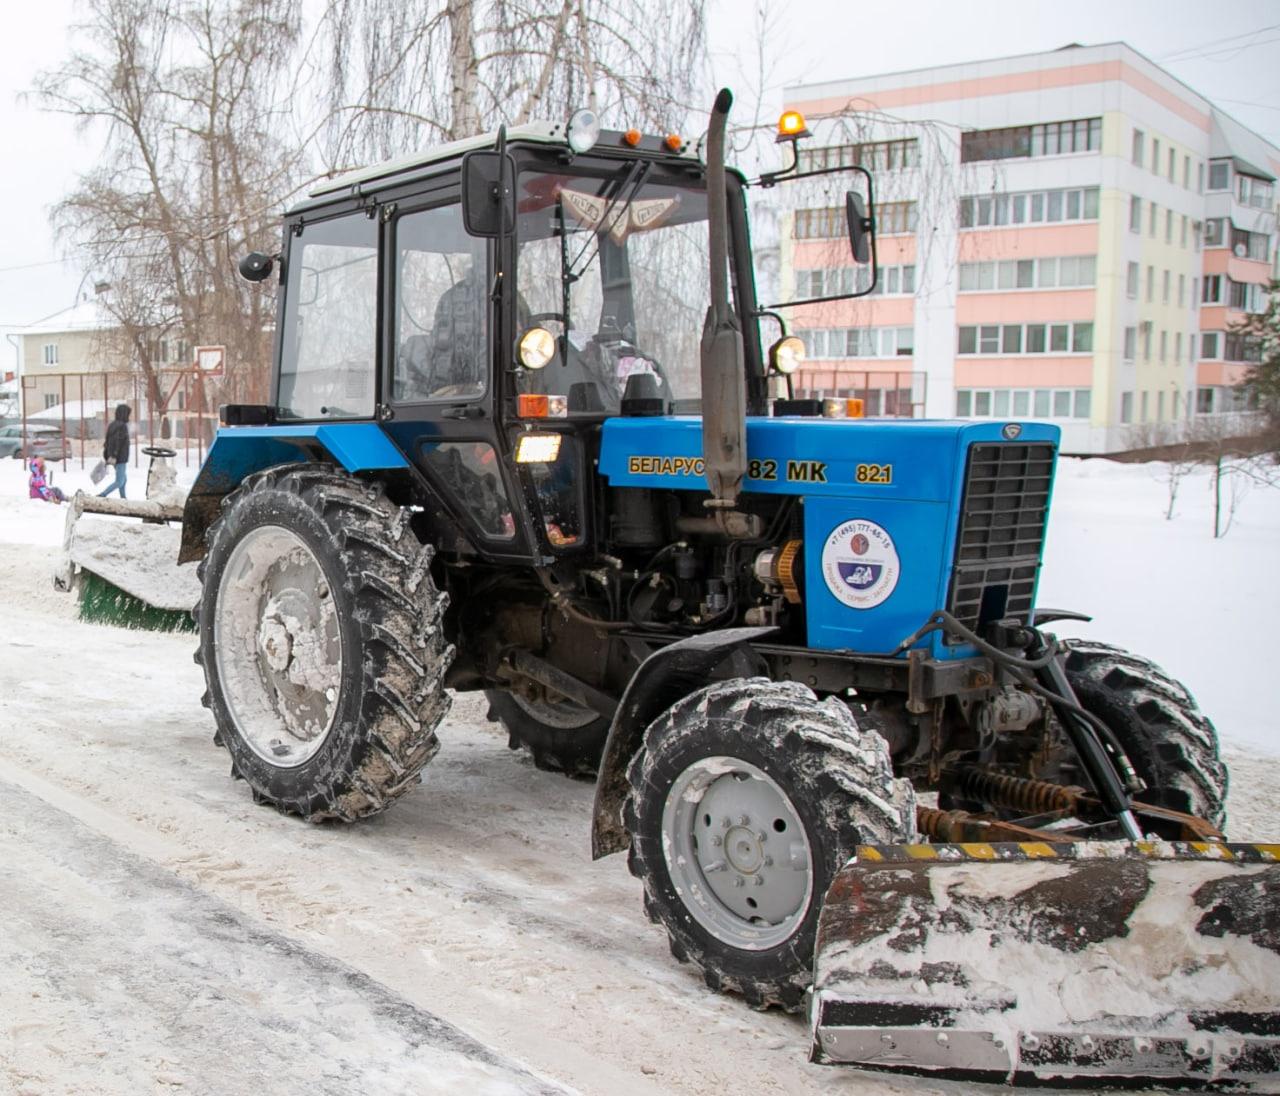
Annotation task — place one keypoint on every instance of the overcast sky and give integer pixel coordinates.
(1230, 53)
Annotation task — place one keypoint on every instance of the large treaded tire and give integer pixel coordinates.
(570, 747)
(1171, 743)
(838, 779)
(391, 695)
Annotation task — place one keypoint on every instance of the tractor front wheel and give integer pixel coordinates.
(321, 642)
(1172, 745)
(746, 798)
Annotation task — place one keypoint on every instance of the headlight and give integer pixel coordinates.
(537, 347)
(537, 448)
(583, 130)
(787, 355)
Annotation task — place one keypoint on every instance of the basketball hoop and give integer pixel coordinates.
(210, 360)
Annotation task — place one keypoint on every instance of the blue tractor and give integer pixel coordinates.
(531, 432)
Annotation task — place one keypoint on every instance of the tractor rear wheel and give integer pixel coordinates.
(320, 638)
(560, 735)
(1172, 745)
(746, 798)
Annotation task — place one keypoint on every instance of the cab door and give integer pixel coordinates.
(439, 380)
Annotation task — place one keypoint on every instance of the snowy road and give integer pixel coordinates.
(160, 933)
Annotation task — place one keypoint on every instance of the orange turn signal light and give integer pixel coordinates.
(674, 142)
(531, 406)
(854, 408)
(632, 137)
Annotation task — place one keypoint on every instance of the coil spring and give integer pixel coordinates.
(1016, 793)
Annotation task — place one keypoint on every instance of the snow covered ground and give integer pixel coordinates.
(159, 932)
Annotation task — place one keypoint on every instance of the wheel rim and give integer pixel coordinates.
(737, 853)
(278, 646)
(561, 714)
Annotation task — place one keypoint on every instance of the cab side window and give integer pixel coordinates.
(331, 309)
(442, 308)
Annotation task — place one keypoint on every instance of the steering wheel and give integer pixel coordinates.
(159, 451)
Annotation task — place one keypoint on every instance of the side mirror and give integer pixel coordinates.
(256, 267)
(488, 193)
(861, 227)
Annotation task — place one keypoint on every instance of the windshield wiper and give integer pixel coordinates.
(636, 175)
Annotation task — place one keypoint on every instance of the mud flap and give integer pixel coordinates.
(1128, 962)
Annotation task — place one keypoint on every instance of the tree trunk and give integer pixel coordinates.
(463, 71)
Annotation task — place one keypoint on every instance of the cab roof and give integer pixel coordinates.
(547, 133)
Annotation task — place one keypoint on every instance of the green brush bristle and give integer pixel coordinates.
(103, 603)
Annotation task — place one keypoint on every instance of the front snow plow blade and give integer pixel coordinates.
(1086, 963)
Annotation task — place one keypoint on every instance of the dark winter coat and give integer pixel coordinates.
(117, 443)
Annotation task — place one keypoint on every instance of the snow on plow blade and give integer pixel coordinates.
(1127, 962)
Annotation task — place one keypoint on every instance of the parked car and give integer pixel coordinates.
(35, 440)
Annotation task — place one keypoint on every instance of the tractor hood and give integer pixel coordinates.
(901, 517)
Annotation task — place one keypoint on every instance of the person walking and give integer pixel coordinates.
(116, 450)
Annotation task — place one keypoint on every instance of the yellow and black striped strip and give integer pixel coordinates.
(952, 853)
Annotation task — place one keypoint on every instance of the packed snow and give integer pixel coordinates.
(165, 933)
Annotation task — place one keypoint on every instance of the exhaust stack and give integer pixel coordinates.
(724, 395)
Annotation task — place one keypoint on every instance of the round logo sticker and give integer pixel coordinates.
(860, 564)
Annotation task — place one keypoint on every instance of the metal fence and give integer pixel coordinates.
(82, 405)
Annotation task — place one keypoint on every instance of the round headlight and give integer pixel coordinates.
(537, 347)
(583, 130)
(787, 354)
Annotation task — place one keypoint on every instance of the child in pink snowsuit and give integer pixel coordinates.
(39, 487)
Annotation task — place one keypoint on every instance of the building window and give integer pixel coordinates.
(842, 280)
(858, 342)
(1164, 346)
(1049, 139)
(1135, 214)
(1209, 345)
(1155, 156)
(1182, 289)
(1168, 226)
(1042, 403)
(1252, 191)
(1068, 272)
(1186, 172)
(1204, 401)
(1146, 340)
(50, 400)
(1143, 417)
(877, 156)
(1249, 245)
(991, 340)
(50, 353)
(1139, 141)
(1165, 297)
(1182, 240)
(1212, 289)
(1219, 175)
(1130, 343)
(1151, 284)
(1151, 221)
(1126, 407)
(1241, 348)
(1246, 296)
(1195, 233)
(1177, 348)
(1215, 232)
(1131, 281)
(1199, 177)
(1172, 164)
(1034, 207)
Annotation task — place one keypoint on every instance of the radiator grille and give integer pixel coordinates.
(1002, 520)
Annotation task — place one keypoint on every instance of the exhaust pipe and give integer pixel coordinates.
(724, 390)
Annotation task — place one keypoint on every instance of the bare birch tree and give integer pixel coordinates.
(406, 73)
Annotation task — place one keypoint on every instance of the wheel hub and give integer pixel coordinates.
(737, 852)
(278, 646)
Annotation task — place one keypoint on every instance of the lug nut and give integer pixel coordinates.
(758, 880)
(738, 881)
(743, 820)
(716, 839)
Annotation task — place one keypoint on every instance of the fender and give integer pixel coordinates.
(666, 676)
(239, 451)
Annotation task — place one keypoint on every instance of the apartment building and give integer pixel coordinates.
(1067, 236)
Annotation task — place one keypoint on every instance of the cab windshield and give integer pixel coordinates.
(615, 268)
